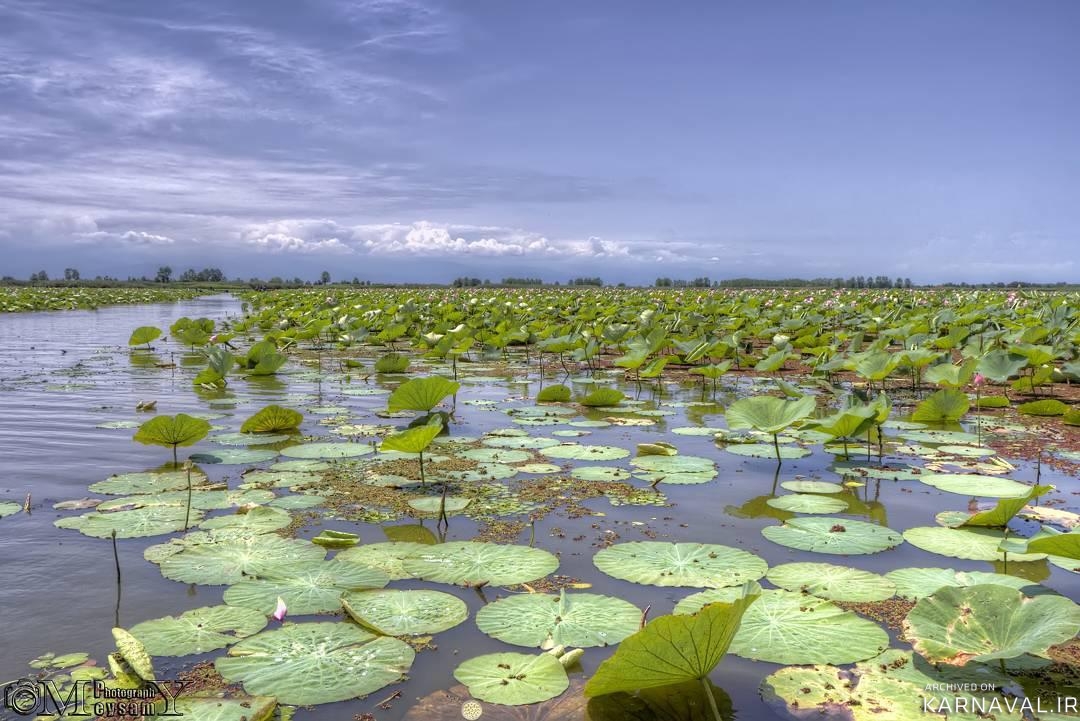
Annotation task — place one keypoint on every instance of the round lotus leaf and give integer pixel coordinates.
(600, 473)
(674, 464)
(569, 433)
(496, 455)
(198, 630)
(696, 565)
(812, 487)
(281, 479)
(586, 423)
(793, 628)
(311, 663)
(366, 391)
(118, 424)
(203, 500)
(581, 620)
(297, 501)
(310, 588)
(229, 559)
(134, 483)
(260, 519)
(328, 450)
(676, 479)
(541, 411)
(301, 465)
(835, 583)
(329, 411)
(706, 431)
(7, 509)
(966, 451)
(435, 504)
(885, 473)
(248, 439)
(975, 544)
(766, 450)
(137, 523)
(579, 452)
(808, 503)
(234, 456)
(833, 535)
(212, 708)
(405, 613)
(939, 436)
(916, 583)
(484, 472)
(513, 679)
(969, 484)
(387, 557)
(471, 563)
(982, 623)
(519, 442)
(540, 468)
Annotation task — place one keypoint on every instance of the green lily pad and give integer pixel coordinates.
(260, 519)
(794, 628)
(297, 502)
(696, 565)
(137, 523)
(405, 613)
(969, 484)
(7, 509)
(310, 466)
(766, 450)
(916, 583)
(957, 625)
(568, 619)
(314, 663)
(812, 487)
(434, 504)
(309, 588)
(471, 563)
(579, 452)
(248, 439)
(833, 535)
(135, 483)
(513, 679)
(519, 442)
(834, 583)
(976, 544)
(234, 708)
(229, 559)
(387, 557)
(600, 473)
(328, 450)
(496, 455)
(539, 468)
(134, 654)
(198, 630)
(808, 503)
(234, 456)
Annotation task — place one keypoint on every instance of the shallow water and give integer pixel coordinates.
(62, 373)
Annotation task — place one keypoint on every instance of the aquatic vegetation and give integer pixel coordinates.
(273, 419)
(513, 679)
(172, 431)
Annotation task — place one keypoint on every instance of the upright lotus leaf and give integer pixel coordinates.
(268, 364)
(271, 419)
(134, 653)
(513, 679)
(672, 649)
(951, 376)
(841, 536)
(405, 613)
(941, 406)
(476, 563)
(958, 625)
(413, 440)
(847, 423)
(696, 565)
(1001, 365)
(145, 334)
(554, 394)
(1064, 545)
(172, 431)
(311, 588)
(199, 630)
(602, 397)
(580, 620)
(392, 363)
(768, 413)
(1003, 512)
(421, 394)
(835, 583)
(877, 366)
(657, 448)
(219, 360)
(304, 664)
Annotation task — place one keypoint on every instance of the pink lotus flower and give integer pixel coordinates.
(978, 380)
(281, 610)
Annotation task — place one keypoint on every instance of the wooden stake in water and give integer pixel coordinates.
(116, 560)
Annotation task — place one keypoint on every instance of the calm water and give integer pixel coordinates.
(63, 373)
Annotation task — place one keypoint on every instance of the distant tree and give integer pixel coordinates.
(164, 274)
(40, 276)
(71, 273)
(325, 277)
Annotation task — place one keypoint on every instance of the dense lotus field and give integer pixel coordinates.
(540, 472)
(14, 299)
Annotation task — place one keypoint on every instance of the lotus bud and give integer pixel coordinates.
(280, 610)
(570, 658)
(978, 380)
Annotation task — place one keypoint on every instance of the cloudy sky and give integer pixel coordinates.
(419, 140)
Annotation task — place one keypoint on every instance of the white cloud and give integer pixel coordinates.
(129, 237)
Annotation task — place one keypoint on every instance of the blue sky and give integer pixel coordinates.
(413, 140)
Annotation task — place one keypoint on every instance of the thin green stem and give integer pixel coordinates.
(712, 699)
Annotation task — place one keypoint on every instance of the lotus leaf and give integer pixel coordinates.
(916, 583)
(812, 487)
(472, 563)
(229, 559)
(568, 619)
(413, 440)
(436, 504)
(313, 663)
(327, 450)
(578, 452)
(308, 588)
(405, 613)
(198, 630)
(172, 431)
(144, 335)
(1045, 407)
(7, 509)
(976, 544)
(137, 523)
(603, 397)
(957, 625)
(496, 455)
(833, 535)
(808, 503)
(234, 456)
(767, 413)
(553, 394)
(134, 654)
(599, 473)
(974, 485)
(513, 679)
(940, 406)
(260, 519)
(272, 418)
(387, 557)
(234, 708)
(421, 394)
(696, 565)
(834, 583)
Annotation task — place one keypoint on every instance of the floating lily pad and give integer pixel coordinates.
(234, 456)
(519, 442)
(957, 625)
(308, 588)
(568, 619)
(696, 565)
(976, 544)
(470, 562)
(134, 483)
(301, 465)
(600, 473)
(812, 487)
(435, 504)
(229, 559)
(833, 535)
(137, 523)
(118, 424)
(496, 455)
(198, 630)
(834, 583)
(513, 679)
(7, 509)
(539, 468)
(405, 613)
(257, 520)
(233, 708)
(579, 452)
(766, 450)
(793, 628)
(297, 501)
(808, 503)
(969, 484)
(313, 663)
(328, 450)
(387, 557)
(916, 583)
